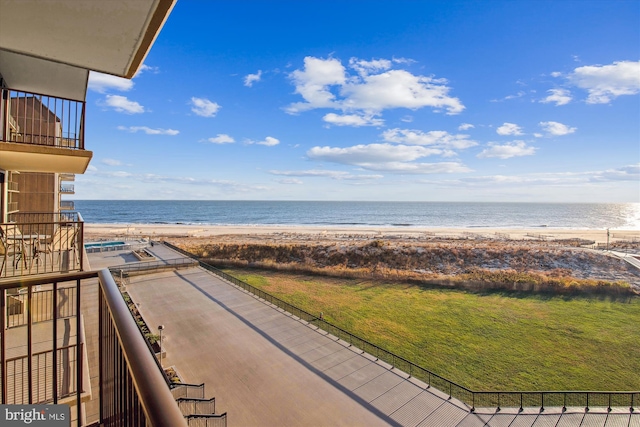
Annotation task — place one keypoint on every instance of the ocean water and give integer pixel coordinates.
(364, 214)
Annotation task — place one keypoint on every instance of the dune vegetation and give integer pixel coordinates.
(471, 265)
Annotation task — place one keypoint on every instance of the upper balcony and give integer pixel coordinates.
(67, 189)
(42, 133)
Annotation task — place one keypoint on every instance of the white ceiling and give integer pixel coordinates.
(110, 36)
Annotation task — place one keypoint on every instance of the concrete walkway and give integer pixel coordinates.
(267, 368)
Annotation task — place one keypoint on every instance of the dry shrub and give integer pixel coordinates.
(512, 267)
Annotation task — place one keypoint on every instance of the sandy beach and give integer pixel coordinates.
(157, 231)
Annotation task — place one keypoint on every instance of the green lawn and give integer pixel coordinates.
(493, 341)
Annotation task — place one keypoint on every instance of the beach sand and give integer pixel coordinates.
(288, 232)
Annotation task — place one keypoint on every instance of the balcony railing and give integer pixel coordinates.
(38, 243)
(44, 357)
(67, 188)
(67, 205)
(39, 119)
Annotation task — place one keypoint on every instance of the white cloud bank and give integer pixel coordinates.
(507, 151)
(203, 107)
(607, 82)
(354, 120)
(509, 129)
(386, 157)
(268, 141)
(221, 138)
(333, 174)
(556, 129)
(557, 96)
(123, 105)
(148, 130)
(370, 88)
(435, 138)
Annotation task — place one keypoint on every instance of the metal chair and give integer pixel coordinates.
(11, 245)
(63, 240)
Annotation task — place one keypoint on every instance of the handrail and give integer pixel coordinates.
(41, 119)
(155, 397)
(471, 397)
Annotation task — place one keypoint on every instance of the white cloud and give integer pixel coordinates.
(407, 119)
(399, 89)
(148, 130)
(122, 105)
(556, 74)
(102, 83)
(354, 120)
(337, 175)
(325, 83)
(221, 138)
(365, 68)
(144, 68)
(508, 150)
(466, 126)
(606, 82)
(520, 94)
(112, 162)
(509, 129)
(371, 153)
(290, 181)
(558, 179)
(625, 173)
(313, 83)
(559, 96)
(250, 79)
(556, 129)
(268, 141)
(436, 138)
(203, 107)
(419, 168)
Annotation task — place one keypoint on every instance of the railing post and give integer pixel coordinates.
(29, 344)
(55, 341)
(3, 328)
(587, 408)
(79, 354)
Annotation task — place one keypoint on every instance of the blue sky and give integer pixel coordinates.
(527, 101)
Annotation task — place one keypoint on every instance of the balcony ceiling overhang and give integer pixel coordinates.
(111, 37)
(39, 158)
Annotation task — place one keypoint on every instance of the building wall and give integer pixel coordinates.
(38, 192)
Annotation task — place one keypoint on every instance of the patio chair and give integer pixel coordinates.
(11, 245)
(63, 240)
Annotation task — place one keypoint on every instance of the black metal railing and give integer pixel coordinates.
(475, 399)
(40, 119)
(44, 360)
(38, 243)
(41, 304)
